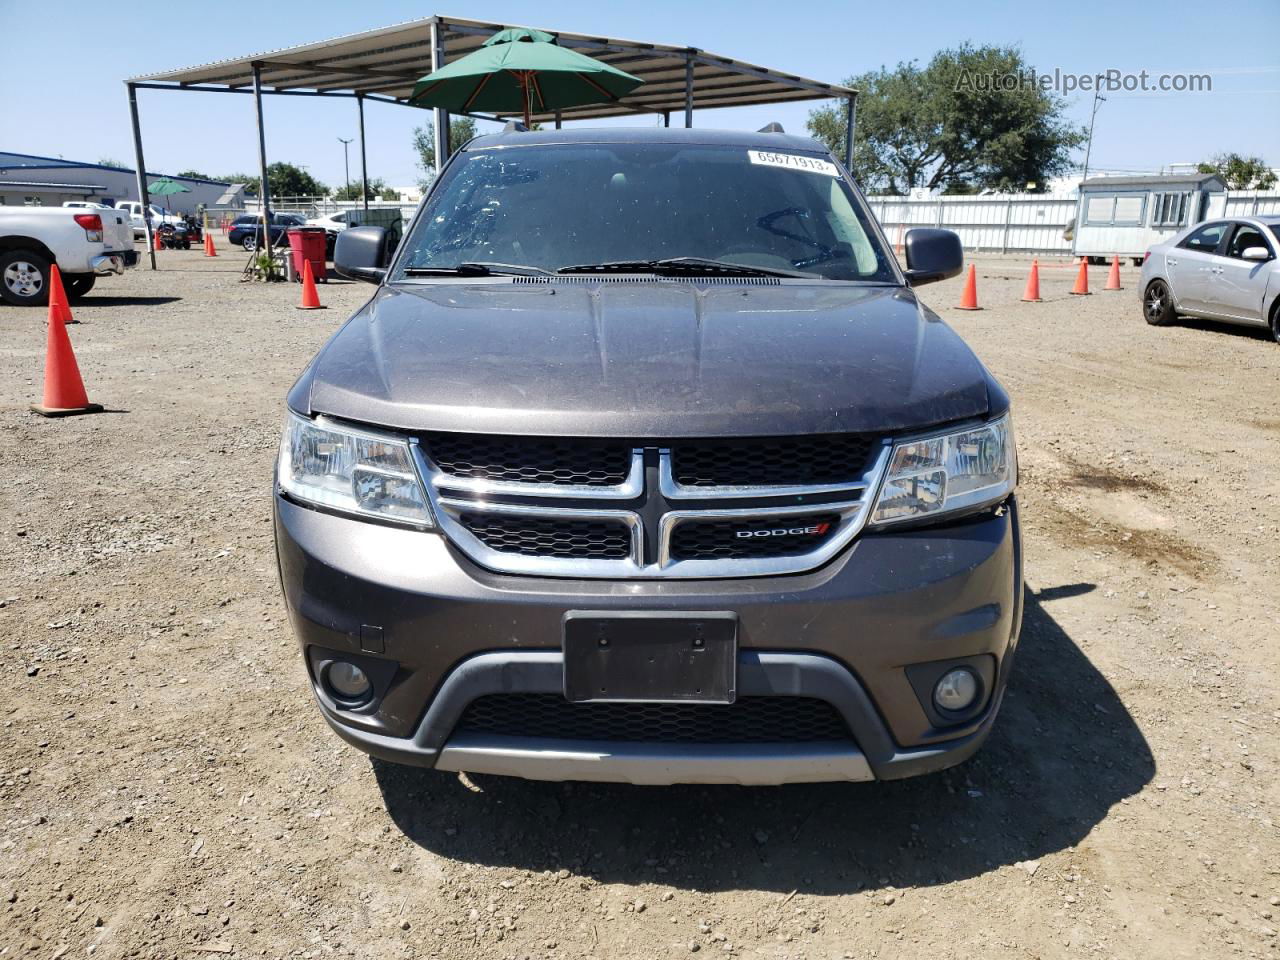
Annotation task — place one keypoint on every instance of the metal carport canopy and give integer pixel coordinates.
(386, 63)
(383, 65)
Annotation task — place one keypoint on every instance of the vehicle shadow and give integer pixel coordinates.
(124, 302)
(1064, 751)
(1245, 331)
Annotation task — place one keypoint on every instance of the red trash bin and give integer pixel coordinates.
(308, 243)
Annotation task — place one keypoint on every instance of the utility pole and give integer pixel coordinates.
(346, 165)
(1097, 99)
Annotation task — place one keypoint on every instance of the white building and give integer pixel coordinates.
(27, 180)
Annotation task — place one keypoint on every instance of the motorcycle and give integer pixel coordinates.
(174, 236)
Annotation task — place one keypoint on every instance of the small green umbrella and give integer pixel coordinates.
(166, 187)
(525, 70)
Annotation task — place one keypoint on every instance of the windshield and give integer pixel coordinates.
(555, 206)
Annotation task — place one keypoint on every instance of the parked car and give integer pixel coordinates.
(156, 215)
(85, 244)
(1221, 270)
(246, 230)
(87, 205)
(645, 462)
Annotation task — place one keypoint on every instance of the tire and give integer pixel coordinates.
(1275, 320)
(24, 278)
(79, 284)
(1157, 304)
(250, 242)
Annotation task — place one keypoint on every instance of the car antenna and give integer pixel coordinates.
(771, 128)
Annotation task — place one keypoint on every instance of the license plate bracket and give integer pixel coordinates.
(644, 657)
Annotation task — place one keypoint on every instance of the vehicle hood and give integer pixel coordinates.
(644, 359)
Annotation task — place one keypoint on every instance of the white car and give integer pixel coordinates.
(84, 243)
(1225, 269)
(334, 223)
(87, 205)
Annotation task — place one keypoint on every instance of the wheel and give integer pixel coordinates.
(1275, 320)
(250, 242)
(24, 278)
(78, 284)
(1157, 304)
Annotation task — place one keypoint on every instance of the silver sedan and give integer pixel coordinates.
(1220, 270)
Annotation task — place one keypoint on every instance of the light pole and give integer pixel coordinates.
(346, 166)
(1097, 98)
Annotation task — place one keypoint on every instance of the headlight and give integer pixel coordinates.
(949, 472)
(354, 471)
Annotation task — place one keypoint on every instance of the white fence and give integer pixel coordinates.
(1018, 222)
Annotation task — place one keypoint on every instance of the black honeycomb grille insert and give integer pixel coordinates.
(772, 461)
(592, 463)
(749, 720)
(557, 537)
(776, 537)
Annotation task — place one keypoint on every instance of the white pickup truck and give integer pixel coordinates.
(157, 216)
(85, 244)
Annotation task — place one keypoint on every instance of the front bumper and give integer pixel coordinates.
(851, 633)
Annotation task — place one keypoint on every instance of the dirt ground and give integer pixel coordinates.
(167, 788)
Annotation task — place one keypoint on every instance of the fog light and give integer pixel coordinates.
(347, 680)
(956, 690)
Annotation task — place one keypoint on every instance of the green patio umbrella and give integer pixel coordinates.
(166, 187)
(525, 70)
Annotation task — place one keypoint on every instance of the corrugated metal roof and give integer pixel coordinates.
(29, 161)
(46, 185)
(1154, 179)
(388, 62)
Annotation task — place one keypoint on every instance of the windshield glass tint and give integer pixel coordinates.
(563, 205)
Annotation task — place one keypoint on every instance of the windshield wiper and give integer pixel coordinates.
(478, 269)
(700, 266)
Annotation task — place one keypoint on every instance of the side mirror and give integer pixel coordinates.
(362, 253)
(932, 255)
(1256, 253)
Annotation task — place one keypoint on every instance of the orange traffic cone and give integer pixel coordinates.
(1032, 293)
(898, 247)
(1113, 281)
(64, 393)
(209, 249)
(969, 299)
(156, 245)
(1081, 289)
(310, 298)
(58, 305)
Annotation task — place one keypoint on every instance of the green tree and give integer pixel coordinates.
(285, 180)
(1239, 172)
(461, 129)
(193, 173)
(953, 124)
(378, 190)
(111, 162)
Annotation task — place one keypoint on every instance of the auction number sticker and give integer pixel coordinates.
(794, 161)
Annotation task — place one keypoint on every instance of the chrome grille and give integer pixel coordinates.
(748, 720)
(644, 509)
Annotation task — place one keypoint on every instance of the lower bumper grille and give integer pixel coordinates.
(749, 720)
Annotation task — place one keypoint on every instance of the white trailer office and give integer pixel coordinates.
(1126, 215)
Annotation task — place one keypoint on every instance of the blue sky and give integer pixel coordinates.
(69, 68)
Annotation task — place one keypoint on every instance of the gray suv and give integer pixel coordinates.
(644, 462)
